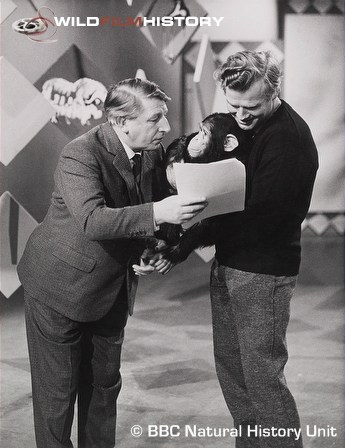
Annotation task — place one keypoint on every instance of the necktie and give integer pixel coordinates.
(136, 168)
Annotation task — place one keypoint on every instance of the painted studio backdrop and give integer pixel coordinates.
(53, 92)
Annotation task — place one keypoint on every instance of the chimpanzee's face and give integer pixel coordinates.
(199, 143)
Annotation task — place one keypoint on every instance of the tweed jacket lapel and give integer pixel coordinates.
(121, 161)
(123, 166)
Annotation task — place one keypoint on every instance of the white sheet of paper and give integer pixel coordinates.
(222, 183)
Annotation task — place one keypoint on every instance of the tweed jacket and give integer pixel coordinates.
(78, 258)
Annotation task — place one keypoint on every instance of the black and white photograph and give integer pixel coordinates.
(172, 224)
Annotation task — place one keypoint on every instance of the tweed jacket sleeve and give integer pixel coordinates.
(85, 188)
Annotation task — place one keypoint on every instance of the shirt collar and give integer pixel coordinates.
(130, 153)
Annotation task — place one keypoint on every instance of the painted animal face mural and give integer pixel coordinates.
(80, 100)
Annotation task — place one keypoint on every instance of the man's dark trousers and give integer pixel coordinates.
(69, 359)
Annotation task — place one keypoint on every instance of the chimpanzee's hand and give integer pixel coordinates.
(163, 266)
(168, 258)
(153, 259)
(159, 260)
(154, 251)
(175, 254)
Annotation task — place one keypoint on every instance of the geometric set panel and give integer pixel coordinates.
(16, 226)
(315, 7)
(7, 7)
(204, 70)
(322, 224)
(170, 41)
(315, 43)
(30, 175)
(64, 78)
(24, 111)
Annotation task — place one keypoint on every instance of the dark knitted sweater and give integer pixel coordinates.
(280, 173)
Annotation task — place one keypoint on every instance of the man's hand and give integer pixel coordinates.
(163, 266)
(177, 209)
(143, 269)
(154, 259)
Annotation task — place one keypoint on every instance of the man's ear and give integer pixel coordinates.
(230, 143)
(120, 122)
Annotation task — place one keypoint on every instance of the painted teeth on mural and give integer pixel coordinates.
(79, 100)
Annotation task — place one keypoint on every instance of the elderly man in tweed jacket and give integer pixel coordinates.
(76, 269)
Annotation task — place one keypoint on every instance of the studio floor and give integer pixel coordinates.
(167, 364)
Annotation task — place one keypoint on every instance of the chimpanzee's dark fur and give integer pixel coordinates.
(219, 125)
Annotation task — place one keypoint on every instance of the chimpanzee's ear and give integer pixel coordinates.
(230, 143)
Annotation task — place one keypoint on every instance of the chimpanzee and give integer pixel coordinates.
(219, 138)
